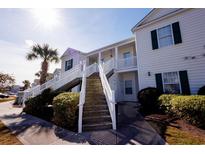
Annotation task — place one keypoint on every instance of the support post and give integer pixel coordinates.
(116, 57)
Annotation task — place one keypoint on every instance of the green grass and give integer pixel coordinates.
(175, 136)
(6, 137)
(7, 99)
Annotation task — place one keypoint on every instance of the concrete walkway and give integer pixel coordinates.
(32, 130)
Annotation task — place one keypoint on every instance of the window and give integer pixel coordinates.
(68, 64)
(128, 87)
(165, 36)
(171, 82)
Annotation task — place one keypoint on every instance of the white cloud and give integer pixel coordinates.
(29, 43)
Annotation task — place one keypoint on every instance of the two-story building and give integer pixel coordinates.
(171, 50)
(167, 52)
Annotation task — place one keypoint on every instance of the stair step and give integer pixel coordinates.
(95, 102)
(96, 113)
(96, 119)
(94, 92)
(95, 98)
(95, 107)
(97, 126)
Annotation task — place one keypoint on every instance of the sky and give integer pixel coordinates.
(81, 29)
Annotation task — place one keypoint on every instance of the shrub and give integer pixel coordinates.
(34, 106)
(201, 91)
(65, 108)
(38, 106)
(190, 108)
(164, 102)
(148, 98)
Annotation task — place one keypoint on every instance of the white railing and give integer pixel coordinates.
(53, 83)
(127, 63)
(109, 95)
(82, 98)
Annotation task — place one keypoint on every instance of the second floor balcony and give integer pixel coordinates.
(127, 63)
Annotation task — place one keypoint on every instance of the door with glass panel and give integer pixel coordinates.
(127, 59)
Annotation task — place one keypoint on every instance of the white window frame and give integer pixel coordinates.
(180, 90)
(131, 87)
(172, 35)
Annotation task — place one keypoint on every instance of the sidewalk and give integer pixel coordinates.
(32, 130)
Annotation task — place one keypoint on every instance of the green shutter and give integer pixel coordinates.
(154, 39)
(159, 84)
(176, 33)
(184, 82)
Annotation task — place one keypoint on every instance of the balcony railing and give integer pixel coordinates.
(127, 63)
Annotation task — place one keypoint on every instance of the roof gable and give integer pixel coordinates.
(155, 14)
(71, 51)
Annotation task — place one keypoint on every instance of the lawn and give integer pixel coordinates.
(7, 99)
(6, 137)
(176, 131)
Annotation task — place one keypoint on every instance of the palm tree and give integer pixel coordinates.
(45, 53)
(27, 84)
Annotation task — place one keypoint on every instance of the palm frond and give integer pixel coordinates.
(31, 56)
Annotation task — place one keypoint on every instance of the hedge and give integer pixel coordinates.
(190, 108)
(65, 108)
(164, 102)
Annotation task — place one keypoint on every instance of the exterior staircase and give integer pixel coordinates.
(96, 114)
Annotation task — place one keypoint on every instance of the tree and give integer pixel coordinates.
(6, 81)
(27, 84)
(45, 53)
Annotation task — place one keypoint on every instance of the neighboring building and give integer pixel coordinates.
(171, 50)
(57, 73)
(15, 89)
(35, 82)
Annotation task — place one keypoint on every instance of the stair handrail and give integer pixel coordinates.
(82, 98)
(109, 95)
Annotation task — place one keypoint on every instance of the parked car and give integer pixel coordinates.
(3, 95)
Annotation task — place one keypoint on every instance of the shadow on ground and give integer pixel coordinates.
(132, 129)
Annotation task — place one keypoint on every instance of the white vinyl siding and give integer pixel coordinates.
(172, 58)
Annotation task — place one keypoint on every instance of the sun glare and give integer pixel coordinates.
(46, 17)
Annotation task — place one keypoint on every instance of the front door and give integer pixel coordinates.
(126, 57)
